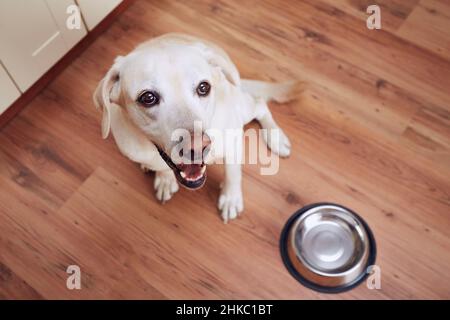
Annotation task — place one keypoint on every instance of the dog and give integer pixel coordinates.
(178, 81)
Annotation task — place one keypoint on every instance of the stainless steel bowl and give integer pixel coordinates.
(327, 247)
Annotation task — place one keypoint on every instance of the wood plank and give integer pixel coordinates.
(430, 17)
(42, 246)
(12, 287)
(393, 12)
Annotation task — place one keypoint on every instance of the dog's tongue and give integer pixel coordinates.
(191, 171)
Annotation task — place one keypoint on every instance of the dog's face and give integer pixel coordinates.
(170, 93)
(167, 89)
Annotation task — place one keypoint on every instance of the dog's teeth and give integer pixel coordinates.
(193, 178)
(183, 175)
(203, 170)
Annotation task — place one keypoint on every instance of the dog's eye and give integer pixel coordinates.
(148, 98)
(203, 89)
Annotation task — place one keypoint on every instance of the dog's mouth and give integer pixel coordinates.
(191, 176)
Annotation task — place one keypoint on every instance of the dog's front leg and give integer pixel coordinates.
(230, 201)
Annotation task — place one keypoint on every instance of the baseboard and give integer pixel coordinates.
(54, 71)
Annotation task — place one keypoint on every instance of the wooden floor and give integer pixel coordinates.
(372, 132)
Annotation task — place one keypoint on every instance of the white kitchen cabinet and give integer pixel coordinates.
(94, 11)
(58, 9)
(8, 91)
(33, 37)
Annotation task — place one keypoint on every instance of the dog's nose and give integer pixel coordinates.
(196, 149)
(200, 145)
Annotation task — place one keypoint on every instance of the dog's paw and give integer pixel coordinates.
(165, 185)
(278, 142)
(230, 204)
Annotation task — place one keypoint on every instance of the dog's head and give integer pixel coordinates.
(169, 89)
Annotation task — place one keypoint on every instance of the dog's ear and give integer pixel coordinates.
(216, 57)
(107, 92)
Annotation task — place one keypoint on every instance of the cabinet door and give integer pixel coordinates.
(58, 8)
(30, 40)
(94, 11)
(8, 91)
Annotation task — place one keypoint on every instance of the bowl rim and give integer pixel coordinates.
(284, 241)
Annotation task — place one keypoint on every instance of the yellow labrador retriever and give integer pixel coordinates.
(179, 84)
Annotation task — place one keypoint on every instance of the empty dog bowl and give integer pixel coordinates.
(327, 247)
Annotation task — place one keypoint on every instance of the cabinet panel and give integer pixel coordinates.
(8, 91)
(94, 11)
(30, 40)
(58, 9)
